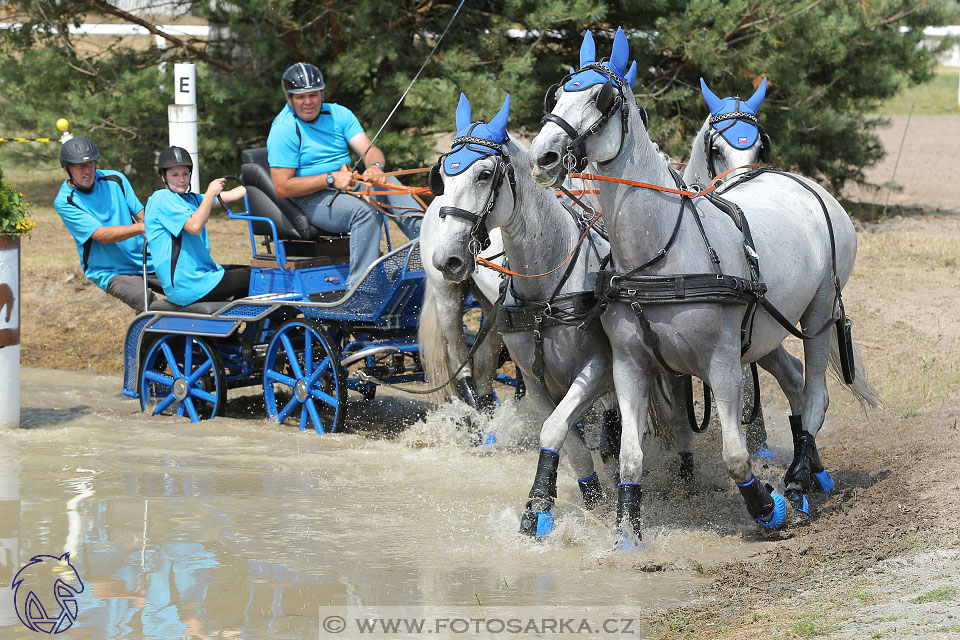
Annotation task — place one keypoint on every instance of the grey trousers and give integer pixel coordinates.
(128, 289)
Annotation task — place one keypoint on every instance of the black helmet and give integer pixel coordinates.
(302, 77)
(173, 157)
(78, 150)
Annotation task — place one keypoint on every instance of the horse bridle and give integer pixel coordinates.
(609, 100)
(711, 134)
(479, 234)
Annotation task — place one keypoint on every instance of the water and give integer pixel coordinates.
(238, 527)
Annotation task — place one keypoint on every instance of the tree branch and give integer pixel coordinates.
(103, 7)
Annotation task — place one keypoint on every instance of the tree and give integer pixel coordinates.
(829, 62)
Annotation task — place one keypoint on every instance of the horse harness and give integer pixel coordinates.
(569, 309)
(639, 291)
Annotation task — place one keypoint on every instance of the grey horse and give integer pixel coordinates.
(685, 278)
(486, 184)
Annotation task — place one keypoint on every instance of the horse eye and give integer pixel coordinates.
(485, 175)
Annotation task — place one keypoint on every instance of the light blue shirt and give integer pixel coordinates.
(321, 145)
(183, 262)
(111, 203)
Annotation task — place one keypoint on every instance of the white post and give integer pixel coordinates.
(182, 116)
(9, 331)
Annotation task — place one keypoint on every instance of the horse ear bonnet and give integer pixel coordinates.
(464, 154)
(739, 133)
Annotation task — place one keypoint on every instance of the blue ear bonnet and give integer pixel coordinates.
(616, 65)
(464, 154)
(739, 132)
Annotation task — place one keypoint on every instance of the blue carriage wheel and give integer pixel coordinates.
(182, 375)
(303, 380)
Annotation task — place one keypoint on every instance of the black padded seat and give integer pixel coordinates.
(206, 308)
(289, 219)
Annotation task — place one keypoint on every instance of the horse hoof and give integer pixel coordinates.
(488, 438)
(798, 501)
(536, 524)
(763, 452)
(824, 480)
(628, 544)
(776, 518)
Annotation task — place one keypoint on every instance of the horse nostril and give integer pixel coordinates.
(453, 265)
(548, 159)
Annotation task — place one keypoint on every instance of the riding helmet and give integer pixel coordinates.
(77, 151)
(302, 77)
(173, 157)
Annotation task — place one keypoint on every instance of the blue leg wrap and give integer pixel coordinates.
(825, 481)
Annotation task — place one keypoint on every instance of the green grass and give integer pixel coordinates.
(940, 594)
(940, 91)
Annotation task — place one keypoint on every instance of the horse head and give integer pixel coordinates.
(470, 177)
(587, 113)
(732, 136)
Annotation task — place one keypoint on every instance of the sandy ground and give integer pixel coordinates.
(880, 558)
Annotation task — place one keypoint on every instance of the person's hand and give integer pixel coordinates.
(215, 188)
(373, 172)
(343, 178)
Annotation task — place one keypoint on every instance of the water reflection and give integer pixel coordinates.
(242, 528)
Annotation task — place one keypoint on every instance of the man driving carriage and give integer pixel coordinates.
(309, 152)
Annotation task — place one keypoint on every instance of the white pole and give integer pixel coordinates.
(182, 116)
(9, 332)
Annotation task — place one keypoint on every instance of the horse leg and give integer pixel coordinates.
(449, 300)
(486, 361)
(806, 471)
(788, 372)
(592, 381)
(610, 434)
(725, 378)
(670, 407)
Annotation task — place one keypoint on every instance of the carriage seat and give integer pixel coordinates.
(305, 244)
(206, 308)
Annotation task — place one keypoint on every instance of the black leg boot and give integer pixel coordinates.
(537, 521)
(592, 491)
(767, 508)
(629, 517)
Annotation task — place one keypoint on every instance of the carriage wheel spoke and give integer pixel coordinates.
(188, 357)
(201, 394)
(191, 410)
(163, 404)
(323, 396)
(291, 356)
(285, 412)
(303, 418)
(307, 353)
(314, 415)
(153, 376)
(171, 360)
(321, 369)
(282, 379)
(201, 370)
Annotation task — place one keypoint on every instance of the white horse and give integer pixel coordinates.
(441, 334)
(545, 320)
(675, 308)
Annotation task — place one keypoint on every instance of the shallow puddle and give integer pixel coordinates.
(238, 527)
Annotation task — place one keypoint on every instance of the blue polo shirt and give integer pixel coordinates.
(110, 203)
(321, 145)
(183, 262)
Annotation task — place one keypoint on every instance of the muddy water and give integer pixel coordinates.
(237, 527)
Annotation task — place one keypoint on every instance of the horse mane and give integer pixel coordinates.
(696, 169)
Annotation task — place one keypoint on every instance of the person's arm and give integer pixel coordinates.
(233, 195)
(288, 186)
(198, 219)
(374, 161)
(116, 233)
(138, 216)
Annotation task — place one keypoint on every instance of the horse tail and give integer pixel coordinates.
(862, 388)
(433, 346)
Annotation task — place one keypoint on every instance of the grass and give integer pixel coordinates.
(940, 91)
(940, 594)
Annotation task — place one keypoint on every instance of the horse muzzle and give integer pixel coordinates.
(455, 268)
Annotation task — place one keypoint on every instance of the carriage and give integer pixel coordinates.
(306, 352)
